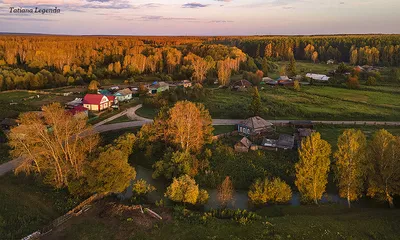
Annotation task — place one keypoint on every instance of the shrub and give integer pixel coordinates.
(371, 81)
(353, 82)
(265, 191)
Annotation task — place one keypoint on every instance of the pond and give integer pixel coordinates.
(240, 198)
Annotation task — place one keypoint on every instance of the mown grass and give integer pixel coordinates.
(147, 112)
(26, 205)
(314, 103)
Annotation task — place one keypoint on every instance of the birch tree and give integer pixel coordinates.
(350, 164)
(384, 163)
(313, 167)
(55, 145)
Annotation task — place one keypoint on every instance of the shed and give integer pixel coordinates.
(285, 141)
(243, 145)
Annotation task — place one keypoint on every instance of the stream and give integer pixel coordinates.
(240, 198)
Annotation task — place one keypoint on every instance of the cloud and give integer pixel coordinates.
(194, 5)
(341, 3)
(27, 19)
(221, 21)
(161, 18)
(98, 1)
(223, 0)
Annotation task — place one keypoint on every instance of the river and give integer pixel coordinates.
(240, 199)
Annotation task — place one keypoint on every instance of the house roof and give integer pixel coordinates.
(242, 83)
(305, 132)
(156, 85)
(77, 109)
(319, 77)
(246, 142)
(124, 92)
(286, 78)
(93, 98)
(110, 98)
(256, 123)
(285, 141)
(267, 79)
(104, 92)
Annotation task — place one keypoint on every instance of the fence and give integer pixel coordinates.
(225, 135)
(78, 210)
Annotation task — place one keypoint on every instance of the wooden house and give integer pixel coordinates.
(253, 126)
(97, 102)
(157, 87)
(123, 95)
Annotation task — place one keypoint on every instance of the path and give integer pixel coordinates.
(131, 113)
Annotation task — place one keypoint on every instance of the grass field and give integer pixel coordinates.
(304, 67)
(22, 101)
(26, 205)
(312, 102)
(279, 222)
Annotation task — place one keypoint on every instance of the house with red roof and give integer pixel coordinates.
(97, 102)
(79, 111)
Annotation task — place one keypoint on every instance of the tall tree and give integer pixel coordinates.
(190, 126)
(93, 86)
(291, 67)
(313, 167)
(55, 145)
(384, 165)
(225, 192)
(255, 105)
(314, 56)
(350, 164)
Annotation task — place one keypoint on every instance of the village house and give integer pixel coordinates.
(98, 102)
(157, 87)
(241, 85)
(317, 77)
(243, 145)
(253, 126)
(123, 95)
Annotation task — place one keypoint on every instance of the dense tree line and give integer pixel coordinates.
(357, 49)
(75, 60)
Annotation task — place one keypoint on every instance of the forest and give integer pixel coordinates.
(36, 62)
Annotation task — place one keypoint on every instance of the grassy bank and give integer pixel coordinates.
(26, 205)
(304, 222)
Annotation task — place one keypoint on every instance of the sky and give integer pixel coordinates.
(207, 17)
